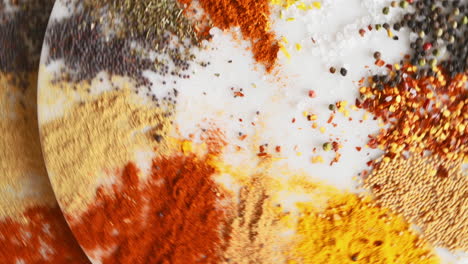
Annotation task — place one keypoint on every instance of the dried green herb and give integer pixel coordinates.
(151, 20)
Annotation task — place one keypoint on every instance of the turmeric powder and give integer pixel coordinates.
(352, 229)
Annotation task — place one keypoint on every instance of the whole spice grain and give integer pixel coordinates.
(437, 23)
(171, 217)
(424, 112)
(428, 191)
(86, 53)
(84, 43)
(21, 37)
(76, 149)
(252, 16)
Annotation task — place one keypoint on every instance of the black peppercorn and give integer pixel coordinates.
(377, 55)
(343, 71)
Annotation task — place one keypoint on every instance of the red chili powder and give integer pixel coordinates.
(252, 16)
(44, 239)
(172, 217)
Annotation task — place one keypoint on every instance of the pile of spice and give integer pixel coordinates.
(91, 41)
(423, 102)
(44, 238)
(441, 27)
(27, 201)
(76, 149)
(423, 113)
(428, 191)
(253, 234)
(32, 227)
(252, 17)
(21, 36)
(353, 229)
(174, 216)
(179, 214)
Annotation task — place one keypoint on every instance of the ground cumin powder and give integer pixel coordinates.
(23, 178)
(253, 235)
(95, 136)
(430, 192)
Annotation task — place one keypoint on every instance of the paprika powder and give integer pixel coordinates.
(252, 17)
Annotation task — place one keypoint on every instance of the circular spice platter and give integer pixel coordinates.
(259, 131)
(32, 226)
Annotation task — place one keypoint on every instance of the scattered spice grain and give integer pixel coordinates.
(428, 191)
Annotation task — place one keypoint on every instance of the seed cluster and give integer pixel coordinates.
(23, 30)
(79, 41)
(84, 42)
(442, 27)
(430, 192)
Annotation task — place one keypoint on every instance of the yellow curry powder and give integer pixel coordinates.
(83, 147)
(351, 229)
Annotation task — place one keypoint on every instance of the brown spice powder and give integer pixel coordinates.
(430, 192)
(254, 234)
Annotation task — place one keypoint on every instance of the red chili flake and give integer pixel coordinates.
(240, 120)
(362, 32)
(427, 46)
(312, 94)
(262, 148)
(389, 66)
(370, 163)
(243, 137)
(380, 63)
(335, 159)
(373, 143)
(336, 146)
(330, 119)
(369, 27)
(358, 148)
(278, 149)
(293, 120)
(361, 81)
(238, 94)
(262, 154)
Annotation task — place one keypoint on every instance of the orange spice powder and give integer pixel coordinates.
(172, 217)
(45, 238)
(252, 16)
